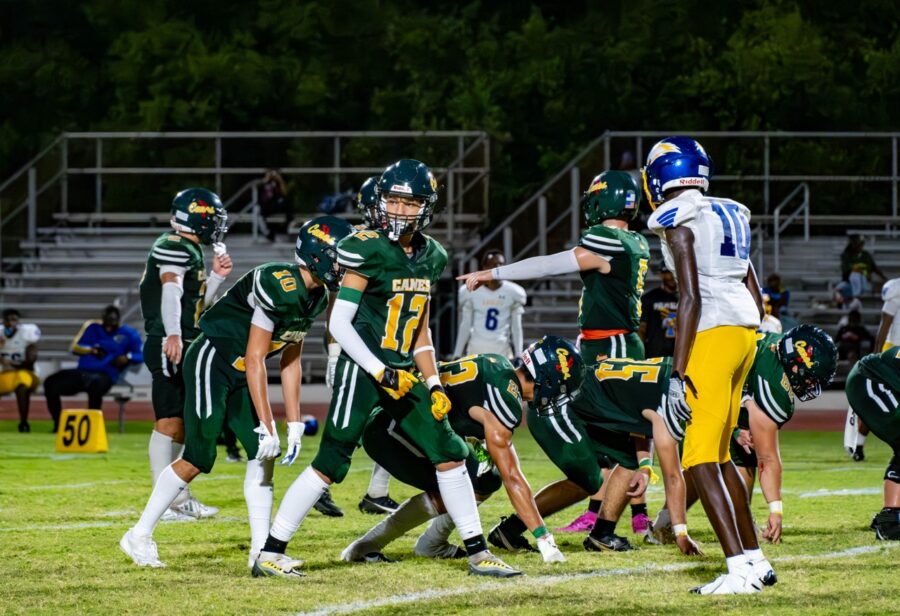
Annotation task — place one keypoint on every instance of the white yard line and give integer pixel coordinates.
(75, 526)
(843, 492)
(544, 580)
(94, 484)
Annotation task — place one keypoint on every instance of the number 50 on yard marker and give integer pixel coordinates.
(81, 431)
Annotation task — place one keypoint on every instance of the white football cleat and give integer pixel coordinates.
(196, 509)
(252, 559)
(273, 564)
(142, 550)
(764, 571)
(731, 584)
(173, 515)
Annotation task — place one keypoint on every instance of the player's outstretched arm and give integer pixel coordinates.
(258, 343)
(567, 262)
(291, 377)
(765, 440)
(499, 444)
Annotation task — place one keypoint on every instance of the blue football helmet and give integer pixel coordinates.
(675, 162)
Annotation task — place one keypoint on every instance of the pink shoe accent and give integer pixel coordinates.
(640, 524)
(582, 524)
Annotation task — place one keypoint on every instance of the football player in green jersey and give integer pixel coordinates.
(798, 363)
(380, 319)
(873, 390)
(267, 312)
(612, 262)
(487, 394)
(174, 291)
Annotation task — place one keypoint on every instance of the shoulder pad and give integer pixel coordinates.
(674, 213)
(359, 251)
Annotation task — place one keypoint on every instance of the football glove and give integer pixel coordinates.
(675, 409)
(440, 403)
(334, 351)
(396, 382)
(295, 431)
(269, 443)
(549, 552)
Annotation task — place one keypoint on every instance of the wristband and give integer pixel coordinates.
(776, 507)
(433, 381)
(680, 530)
(539, 532)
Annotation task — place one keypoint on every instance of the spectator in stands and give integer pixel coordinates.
(658, 310)
(857, 267)
(853, 339)
(105, 348)
(18, 352)
(779, 296)
(273, 201)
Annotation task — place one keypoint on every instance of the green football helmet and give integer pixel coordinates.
(411, 179)
(316, 248)
(200, 211)
(809, 358)
(557, 369)
(612, 194)
(367, 202)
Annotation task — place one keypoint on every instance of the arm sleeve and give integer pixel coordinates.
(539, 267)
(516, 332)
(345, 334)
(171, 308)
(172, 269)
(262, 320)
(465, 322)
(212, 285)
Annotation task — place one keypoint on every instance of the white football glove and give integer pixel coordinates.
(549, 552)
(334, 351)
(295, 431)
(269, 444)
(218, 249)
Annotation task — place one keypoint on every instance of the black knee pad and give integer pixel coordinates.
(892, 473)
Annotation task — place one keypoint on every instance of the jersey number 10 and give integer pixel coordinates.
(736, 230)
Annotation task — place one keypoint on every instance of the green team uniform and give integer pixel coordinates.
(172, 250)
(387, 319)
(873, 390)
(768, 386)
(612, 301)
(594, 432)
(216, 385)
(488, 381)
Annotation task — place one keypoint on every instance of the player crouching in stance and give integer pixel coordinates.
(487, 394)
(796, 364)
(873, 391)
(267, 312)
(380, 319)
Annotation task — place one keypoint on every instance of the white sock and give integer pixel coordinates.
(860, 439)
(177, 450)
(754, 555)
(297, 501)
(411, 513)
(438, 532)
(663, 518)
(378, 484)
(258, 494)
(168, 487)
(738, 564)
(160, 450)
(459, 500)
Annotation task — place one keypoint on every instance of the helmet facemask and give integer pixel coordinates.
(220, 227)
(398, 225)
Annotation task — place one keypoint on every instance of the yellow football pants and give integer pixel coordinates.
(11, 379)
(719, 363)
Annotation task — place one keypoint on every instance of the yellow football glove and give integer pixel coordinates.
(396, 382)
(440, 403)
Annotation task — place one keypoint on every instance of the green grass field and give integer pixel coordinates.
(61, 517)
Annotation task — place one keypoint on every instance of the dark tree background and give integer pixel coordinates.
(543, 78)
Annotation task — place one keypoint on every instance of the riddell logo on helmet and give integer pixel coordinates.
(403, 189)
(805, 352)
(322, 233)
(691, 181)
(200, 207)
(565, 363)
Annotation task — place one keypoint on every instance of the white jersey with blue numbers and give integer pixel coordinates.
(721, 229)
(488, 320)
(890, 293)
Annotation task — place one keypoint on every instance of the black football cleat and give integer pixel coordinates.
(378, 506)
(607, 543)
(507, 541)
(326, 506)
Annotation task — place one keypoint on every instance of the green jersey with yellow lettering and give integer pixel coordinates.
(396, 296)
(613, 301)
(278, 290)
(488, 381)
(171, 249)
(615, 393)
(767, 384)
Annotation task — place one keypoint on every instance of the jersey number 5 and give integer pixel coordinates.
(736, 230)
(417, 305)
